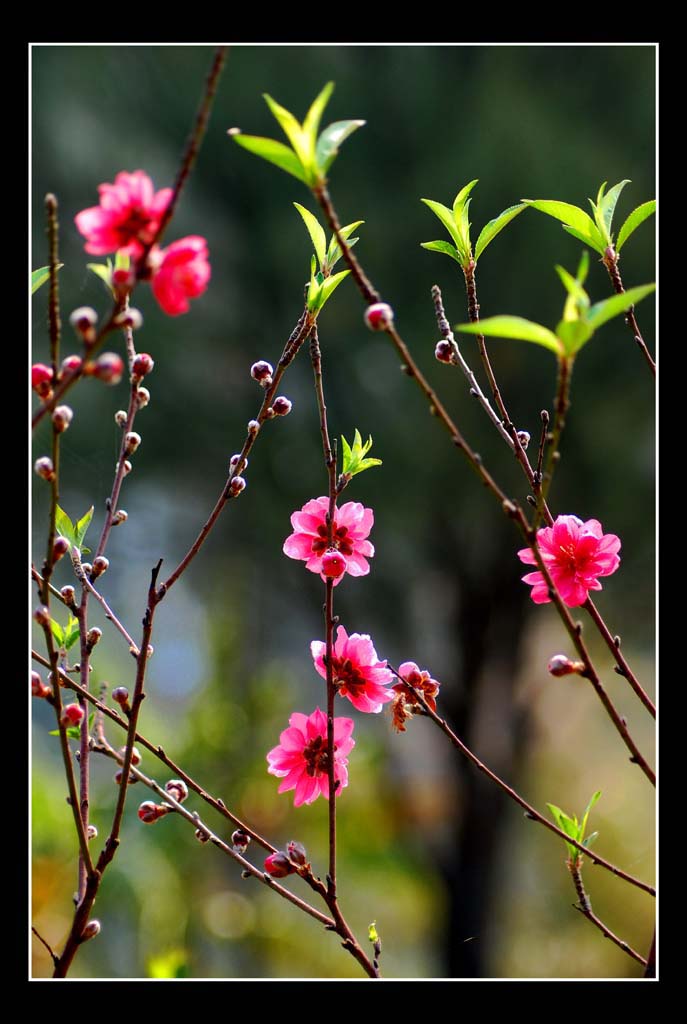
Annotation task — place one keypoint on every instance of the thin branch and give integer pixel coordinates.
(530, 811)
(650, 971)
(610, 261)
(585, 907)
(613, 644)
(47, 945)
(109, 614)
(561, 405)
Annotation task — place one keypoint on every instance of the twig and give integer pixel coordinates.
(585, 907)
(47, 946)
(613, 644)
(650, 971)
(610, 261)
(561, 405)
(85, 582)
(530, 811)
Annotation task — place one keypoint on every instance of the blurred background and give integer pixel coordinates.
(460, 884)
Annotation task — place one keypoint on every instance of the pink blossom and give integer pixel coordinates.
(180, 272)
(405, 702)
(128, 216)
(301, 758)
(352, 524)
(356, 672)
(576, 554)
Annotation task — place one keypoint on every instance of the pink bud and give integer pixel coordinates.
(91, 930)
(41, 379)
(561, 665)
(149, 812)
(131, 442)
(201, 836)
(281, 406)
(119, 775)
(135, 755)
(38, 687)
(120, 695)
(262, 372)
(278, 865)
(62, 416)
(108, 368)
(143, 364)
(444, 352)
(177, 789)
(240, 840)
(71, 364)
(44, 468)
(379, 316)
(333, 564)
(72, 714)
(236, 486)
(297, 853)
(68, 594)
(129, 318)
(123, 281)
(42, 616)
(91, 832)
(59, 548)
(100, 565)
(142, 397)
(83, 319)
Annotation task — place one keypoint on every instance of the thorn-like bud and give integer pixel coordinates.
(177, 789)
(93, 637)
(297, 853)
(333, 564)
(100, 565)
(142, 397)
(262, 373)
(62, 416)
(120, 417)
(240, 840)
(91, 832)
(131, 442)
(234, 463)
(68, 594)
(281, 406)
(201, 836)
(59, 548)
(278, 865)
(72, 714)
(524, 438)
(129, 318)
(253, 427)
(236, 486)
(91, 930)
(143, 364)
(83, 320)
(70, 364)
(41, 379)
(109, 368)
(119, 517)
(443, 351)
(149, 812)
(562, 665)
(42, 615)
(379, 316)
(44, 468)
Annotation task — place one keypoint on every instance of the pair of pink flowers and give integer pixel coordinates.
(128, 218)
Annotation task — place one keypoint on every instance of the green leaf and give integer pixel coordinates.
(330, 285)
(491, 230)
(565, 824)
(583, 267)
(574, 334)
(591, 242)
(446, 217)
(334, 250)
(39, 277)
(600, 193)
(636, 218)
(590, 839)
(74, 731)
(316, 233)
(587, 809)
(354, 460)
(330, 140)
(122, 260)
(104, 272)
(608, 203)
(63, 524)
(172, 964)
(82, 526)
(575, 292)
(372, 933)
(464, 228)
(311, 124)
(57, 632)
(274, 152)
(514, 327)
(293, 131)
(461, 197)
(571, 217)
(444, 247)
(72, 632)
(608, 308)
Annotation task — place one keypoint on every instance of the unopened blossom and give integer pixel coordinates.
(128, 216)
(180, 272)
(405, 703)
(575, 554)
(350, 529)
(301, 760)
(357, 673)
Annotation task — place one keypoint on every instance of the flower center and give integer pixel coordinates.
(569, 560)
(315, 754)
(340, 540)
(347, 677)
(133, 227)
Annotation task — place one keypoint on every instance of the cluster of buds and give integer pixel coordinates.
(262, 373)
(562, 665)
(379, 316)
(287, 862)
(38, 687)
(405, 702)
(280, 407)
(84, 320)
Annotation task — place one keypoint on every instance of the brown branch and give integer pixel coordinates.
(585, 907)
(47, 945)
(610, 261)
(613, 644)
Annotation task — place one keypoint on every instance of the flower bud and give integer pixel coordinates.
(177, 789)
(234, 463)
(201, 836)
(87, 568)
(562, 665)
(83, 319)
(100, 565)
(262, 373)
(62, 416)
(131, 442)
(91, 930)
(149, 812)
(70, 365)
(129, 318)
(42, 616)
(142, 397)
(278, 865)
(119, 517)
(333, 564)
(72, 714)
(135, 755)
(297, 853)
(269, 412)
(240, 840)
(143, 364)
(38, 687)
(120, 695)
(444, 351)
(44, 468)
(119, 775)
(93, 637)
(68, 594)
(59, 548)
(108, 368)
(253, 426)
(524, 438)
(123, 281)
(281, 406)
(91, 832)
(41, 379)
(379, 316)
(236, 486)
(120, 418)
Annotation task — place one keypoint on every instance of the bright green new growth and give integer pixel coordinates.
(104, 270)
(323, 283)
(68, 636)
(354, 460)
(75, 534)
(310, 156)
(596, 233)
(575, 829)
(580, 318)
(39, 277)
(458, 226)
(74, 731)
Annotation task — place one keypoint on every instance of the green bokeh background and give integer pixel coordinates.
(232, 640)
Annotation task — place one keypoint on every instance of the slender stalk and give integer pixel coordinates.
(530, 811)
(585, 907)
(561, 405)
(109, 614)
(610, 261)
(613, 644)
(650, 971)
(47, 946)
